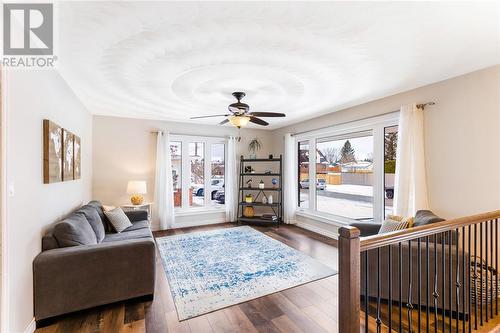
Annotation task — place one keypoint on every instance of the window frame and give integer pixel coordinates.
(376, 125)
(207, 167)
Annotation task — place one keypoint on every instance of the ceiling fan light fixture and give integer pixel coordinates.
(239, 121)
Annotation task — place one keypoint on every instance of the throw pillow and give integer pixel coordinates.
(398, 218)
(94, 219)
(107, 208)
(391, 225)
(118, 219)
(73, 231)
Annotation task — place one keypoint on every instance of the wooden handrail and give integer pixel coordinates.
(376, 241)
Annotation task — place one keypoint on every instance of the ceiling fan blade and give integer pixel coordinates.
(216, 115)
(267, 114)
(225, 121)
(258, 121)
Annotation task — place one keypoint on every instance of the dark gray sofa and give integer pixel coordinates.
(422, 217)
(84, 264)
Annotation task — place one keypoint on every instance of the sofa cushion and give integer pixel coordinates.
(126, 235)
(118, 219)
(95, 221)
(424, 217)
(99, 207)
(74, 231)
(138, 225)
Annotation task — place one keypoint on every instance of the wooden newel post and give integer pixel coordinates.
(349, 280)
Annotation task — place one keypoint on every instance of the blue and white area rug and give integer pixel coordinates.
(215, 269)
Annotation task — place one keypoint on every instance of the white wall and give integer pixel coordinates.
(462, 138)
(125, 149)
(31, 96)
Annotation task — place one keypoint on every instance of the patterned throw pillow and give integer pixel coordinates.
(118, 219)
(391, 225)
(409, 219)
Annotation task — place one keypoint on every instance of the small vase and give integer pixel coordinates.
(248, 211)
(270, 199)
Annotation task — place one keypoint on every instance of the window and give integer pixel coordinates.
(175, 152)
(344, 176)
(390, 149)
(347, 164)
(197, 162)
(303, 173)
(193, 175)
(217, 168)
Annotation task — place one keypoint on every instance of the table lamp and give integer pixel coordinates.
(136, 188)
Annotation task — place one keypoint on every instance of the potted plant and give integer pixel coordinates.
(253, 147)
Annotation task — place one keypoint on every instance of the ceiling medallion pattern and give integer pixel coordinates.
(176, 60)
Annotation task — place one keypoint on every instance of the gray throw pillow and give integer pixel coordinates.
(94, 220)
(424, 217)
(74, 231)
(118, 219)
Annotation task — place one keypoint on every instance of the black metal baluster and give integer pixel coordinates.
(367, 309)
(378, 321)
(468, 277)
(419, 279)
(496, 267)
(409, 305)
(443, 266)
(389, 254)
(491, 264)
(481, 273)
(486, 268)
(463, 280)
(427, 328)
(450, 275)
(474, 276)
(400, 286)
(435, 294)
(457, 282)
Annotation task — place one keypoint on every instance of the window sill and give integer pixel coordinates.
(336, 221)
(199, 211)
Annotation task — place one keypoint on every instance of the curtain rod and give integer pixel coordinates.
(419, 106)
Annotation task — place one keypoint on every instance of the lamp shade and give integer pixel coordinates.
(136, 187)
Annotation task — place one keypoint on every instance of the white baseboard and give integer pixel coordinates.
(197, 223)
(31, 327)
(317, 230)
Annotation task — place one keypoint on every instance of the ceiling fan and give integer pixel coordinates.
(240, 115)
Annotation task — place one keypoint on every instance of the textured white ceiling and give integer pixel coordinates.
(174, 60)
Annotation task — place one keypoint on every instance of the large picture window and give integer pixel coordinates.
(198, 171)
(352, 168)
(344, 176)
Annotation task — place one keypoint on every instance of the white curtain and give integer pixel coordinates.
(164, 189)
(290, 186)
(410, 188)
(231, 182)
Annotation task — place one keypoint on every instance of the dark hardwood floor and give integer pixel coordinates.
(311, 308)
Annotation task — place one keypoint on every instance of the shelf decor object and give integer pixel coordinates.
(261, 199)
(136, 188)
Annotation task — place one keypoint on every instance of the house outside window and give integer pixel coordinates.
(198, 171)
(353, 170)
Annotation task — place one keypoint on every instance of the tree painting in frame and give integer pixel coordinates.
(52, 152)
(68, 161)
(77, 158)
